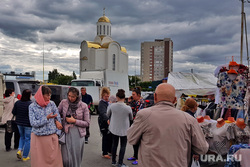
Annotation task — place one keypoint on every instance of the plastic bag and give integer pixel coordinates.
(195, 163)
(62, 138)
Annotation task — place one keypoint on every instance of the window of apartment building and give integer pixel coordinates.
(113, 62)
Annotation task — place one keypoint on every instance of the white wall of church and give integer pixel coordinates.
(84, 53)
(123, 63)
(113, 56)
(101, 60)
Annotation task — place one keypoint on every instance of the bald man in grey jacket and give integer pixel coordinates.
(166, 135)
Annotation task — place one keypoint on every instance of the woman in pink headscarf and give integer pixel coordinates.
(46, 122)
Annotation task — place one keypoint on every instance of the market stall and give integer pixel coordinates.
(193, 83)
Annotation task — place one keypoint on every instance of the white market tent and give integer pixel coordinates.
(193, 83)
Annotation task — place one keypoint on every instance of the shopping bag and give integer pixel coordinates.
(195, 163)
(62, 138)
(91, 108)
(9, 126)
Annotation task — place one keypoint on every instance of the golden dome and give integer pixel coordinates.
(93, 45)
(104, 19)
(123, 49)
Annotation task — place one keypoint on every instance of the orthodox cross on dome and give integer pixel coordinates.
(103, 11)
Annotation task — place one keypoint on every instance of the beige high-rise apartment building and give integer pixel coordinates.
(156, 59)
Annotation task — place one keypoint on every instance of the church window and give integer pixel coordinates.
(107, 30)
(113, 62)
(110, 31)
(100, 29)
(104, 29)
(97, 30)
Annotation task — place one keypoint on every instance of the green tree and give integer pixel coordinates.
(59, 78)
(53, 75)
(132, 80)
(146, 86)
(63, 79)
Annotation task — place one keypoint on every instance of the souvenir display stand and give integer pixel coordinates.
(227, 138)
(232, 84)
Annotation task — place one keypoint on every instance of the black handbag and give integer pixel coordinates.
(10, 125)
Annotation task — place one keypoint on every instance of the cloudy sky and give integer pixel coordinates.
(205, 33)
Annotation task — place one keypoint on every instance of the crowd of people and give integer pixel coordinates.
(161, 135)
(40, 123)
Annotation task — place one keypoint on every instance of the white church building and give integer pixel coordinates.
(103, 53)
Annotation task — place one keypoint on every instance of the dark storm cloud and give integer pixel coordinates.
(16, 21)
(46, 15)
(25, 21)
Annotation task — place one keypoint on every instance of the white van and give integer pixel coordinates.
(19, 85)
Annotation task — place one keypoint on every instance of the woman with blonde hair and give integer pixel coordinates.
(103, 123)
(190, 106)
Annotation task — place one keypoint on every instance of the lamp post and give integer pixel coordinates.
(243, 22)
(135, 71)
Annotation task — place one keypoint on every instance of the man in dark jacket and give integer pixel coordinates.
(86, 98)
(210, 109)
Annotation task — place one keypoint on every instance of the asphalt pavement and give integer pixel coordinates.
(92, 156)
